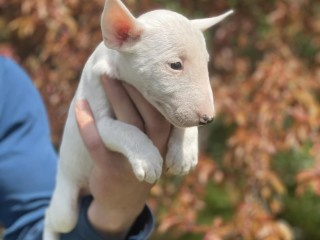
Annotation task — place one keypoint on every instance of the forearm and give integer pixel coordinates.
(118, 226)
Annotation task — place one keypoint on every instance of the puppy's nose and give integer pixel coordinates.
(204, 119)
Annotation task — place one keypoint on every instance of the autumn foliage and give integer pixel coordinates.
(259, 172)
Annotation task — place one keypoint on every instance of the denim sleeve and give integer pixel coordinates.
(27, 158)
(28, 164)
(141, 229)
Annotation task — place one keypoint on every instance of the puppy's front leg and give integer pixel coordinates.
(182, 153)
(144, 157)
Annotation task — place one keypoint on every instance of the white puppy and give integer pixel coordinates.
(163, 55)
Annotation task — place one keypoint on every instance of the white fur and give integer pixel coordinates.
(142, 58)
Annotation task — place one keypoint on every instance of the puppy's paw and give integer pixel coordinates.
(147, 167)
(181, 163)
(182, 154)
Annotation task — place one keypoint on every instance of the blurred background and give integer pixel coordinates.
(259, 171)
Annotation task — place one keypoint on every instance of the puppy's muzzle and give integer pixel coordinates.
(204, 119)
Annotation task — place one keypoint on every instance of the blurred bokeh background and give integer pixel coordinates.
(259, 171)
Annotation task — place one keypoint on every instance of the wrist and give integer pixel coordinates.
(110, 223)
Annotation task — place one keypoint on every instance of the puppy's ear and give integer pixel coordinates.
(120, 29)
(204, 24)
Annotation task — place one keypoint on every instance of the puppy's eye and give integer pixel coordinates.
(176, 66)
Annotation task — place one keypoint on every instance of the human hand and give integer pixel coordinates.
(118, 195)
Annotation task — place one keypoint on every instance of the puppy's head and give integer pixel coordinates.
(163, 55)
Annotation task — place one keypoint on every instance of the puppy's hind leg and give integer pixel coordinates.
(62, 214)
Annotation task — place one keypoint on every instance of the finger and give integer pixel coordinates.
(148, 112)
(123, 107)
(156, 126)
(89, 131)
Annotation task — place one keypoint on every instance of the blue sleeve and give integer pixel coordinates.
(28, 164)
(141, 229)
(27, 158)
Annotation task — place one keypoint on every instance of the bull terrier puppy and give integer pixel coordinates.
(164, 56)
